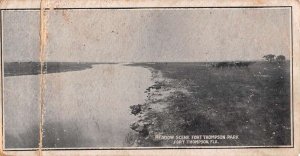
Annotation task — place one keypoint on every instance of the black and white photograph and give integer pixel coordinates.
(136, 78)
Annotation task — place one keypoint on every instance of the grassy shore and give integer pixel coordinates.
(199, 99)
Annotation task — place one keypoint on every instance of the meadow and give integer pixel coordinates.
(252, 102)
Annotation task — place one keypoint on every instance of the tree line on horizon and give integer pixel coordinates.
(274, 58)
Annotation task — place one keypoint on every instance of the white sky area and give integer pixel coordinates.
(149, 35)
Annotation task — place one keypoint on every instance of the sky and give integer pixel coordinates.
(149, 35)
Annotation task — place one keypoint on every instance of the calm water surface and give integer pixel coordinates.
(88, 108)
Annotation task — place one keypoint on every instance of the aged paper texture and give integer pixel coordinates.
(150, 77)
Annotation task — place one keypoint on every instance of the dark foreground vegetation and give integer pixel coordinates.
(251, 101)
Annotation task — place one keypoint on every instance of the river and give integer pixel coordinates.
(88, 108)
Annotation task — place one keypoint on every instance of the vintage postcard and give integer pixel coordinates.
(150, 78)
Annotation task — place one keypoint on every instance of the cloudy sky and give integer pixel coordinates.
(141, 35)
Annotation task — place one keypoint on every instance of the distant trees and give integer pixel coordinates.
(269, 58)
(232, 64)
(273, 58)
(280, 58)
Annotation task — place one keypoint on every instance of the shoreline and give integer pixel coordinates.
(147, 127)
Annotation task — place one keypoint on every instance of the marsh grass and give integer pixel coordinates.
(252, 102)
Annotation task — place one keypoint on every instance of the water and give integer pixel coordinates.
(88, 108)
